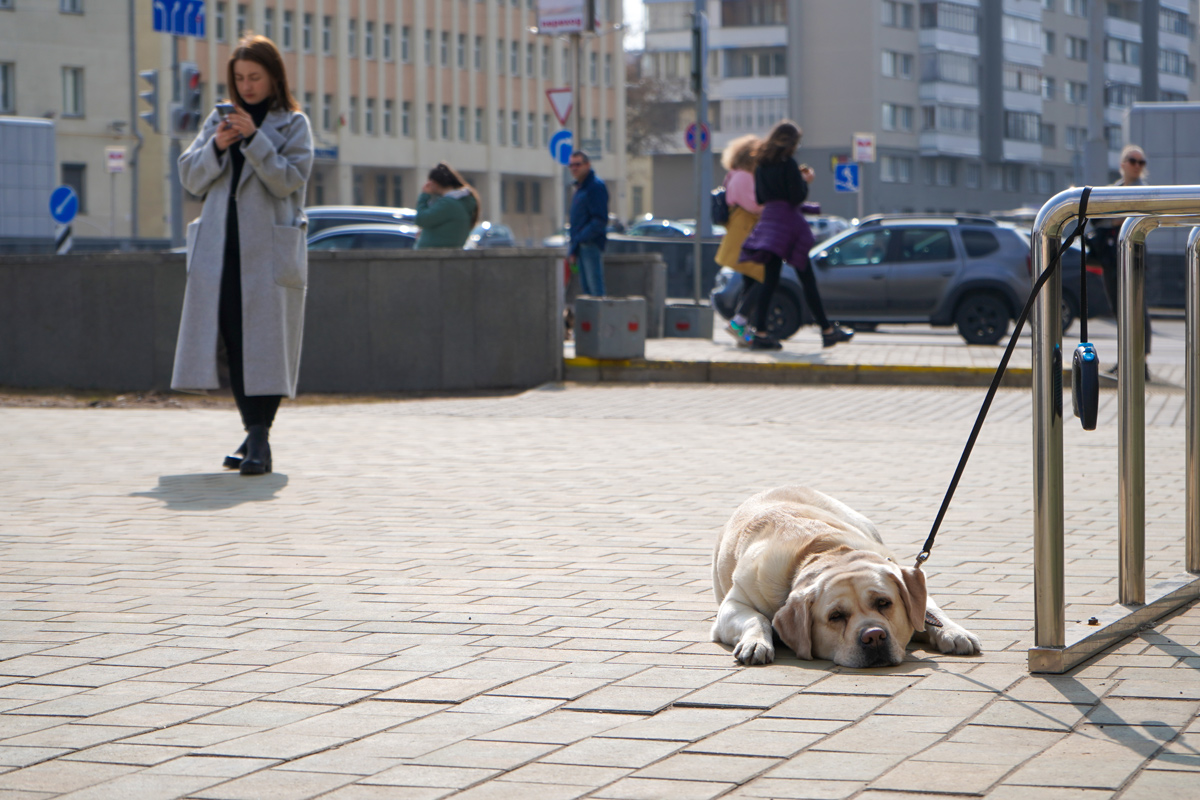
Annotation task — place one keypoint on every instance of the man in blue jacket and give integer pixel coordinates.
(589, 221)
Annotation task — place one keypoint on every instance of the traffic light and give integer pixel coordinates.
(150, 76)
(190, 111)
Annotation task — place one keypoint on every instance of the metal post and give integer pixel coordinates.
(1192, 382)
(112, 205)
(174, 152)
(1131, 425)
(133, 121)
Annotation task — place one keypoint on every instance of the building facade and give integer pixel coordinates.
(391, 88)
(976, 105)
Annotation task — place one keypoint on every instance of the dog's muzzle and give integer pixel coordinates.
(875, 647)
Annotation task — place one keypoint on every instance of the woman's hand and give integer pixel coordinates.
(807, 173)
(431, 188)
(225, 135)
(241, 122)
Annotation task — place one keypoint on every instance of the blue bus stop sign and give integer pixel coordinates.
(64, 204)
(561, 148)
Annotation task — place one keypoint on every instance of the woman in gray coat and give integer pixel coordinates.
(247, 261)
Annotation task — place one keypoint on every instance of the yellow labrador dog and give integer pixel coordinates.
(817, 571)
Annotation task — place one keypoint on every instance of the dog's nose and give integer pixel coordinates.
(873, 636)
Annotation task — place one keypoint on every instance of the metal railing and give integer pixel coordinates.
(1055, 648)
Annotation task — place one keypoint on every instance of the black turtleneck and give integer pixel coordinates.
(258, 112)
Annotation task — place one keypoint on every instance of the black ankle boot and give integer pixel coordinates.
(258, 451)
(234, 460)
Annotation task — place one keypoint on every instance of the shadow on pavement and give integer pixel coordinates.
(211, 491)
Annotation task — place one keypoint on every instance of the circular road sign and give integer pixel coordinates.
(64, 204)
(690, 137)
(561, 148)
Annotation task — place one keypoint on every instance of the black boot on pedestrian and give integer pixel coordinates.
(836, 336)
(234, 460)
(258, 451)
(765, 341)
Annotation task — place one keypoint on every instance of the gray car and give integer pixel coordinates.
(961, 271)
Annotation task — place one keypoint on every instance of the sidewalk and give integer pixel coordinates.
(897, 355)
(509, 597)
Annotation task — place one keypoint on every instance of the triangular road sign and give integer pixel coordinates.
(560, 101)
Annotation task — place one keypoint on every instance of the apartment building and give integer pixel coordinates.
(976, 105)
(391, 88)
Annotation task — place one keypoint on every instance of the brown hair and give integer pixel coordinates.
(780, 143)
(445, 175)
(262, 51)
(739, 153)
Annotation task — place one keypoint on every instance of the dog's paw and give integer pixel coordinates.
(954, 638)
(753, 650)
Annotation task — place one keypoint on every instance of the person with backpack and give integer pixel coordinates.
(743, 212)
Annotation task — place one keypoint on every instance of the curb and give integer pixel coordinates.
(591, 370)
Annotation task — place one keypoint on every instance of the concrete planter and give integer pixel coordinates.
(610, 327)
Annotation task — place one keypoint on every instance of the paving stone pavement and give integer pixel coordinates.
(510, 596)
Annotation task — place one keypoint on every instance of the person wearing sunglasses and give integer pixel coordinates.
(1103, 233)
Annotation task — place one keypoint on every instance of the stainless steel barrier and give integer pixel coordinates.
(1055, 648)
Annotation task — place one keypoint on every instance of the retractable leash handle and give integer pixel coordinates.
(1085, 364)
(927, 548)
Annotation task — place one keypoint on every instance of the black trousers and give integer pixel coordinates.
(255, 409)
(766, 292)
(1104, 246)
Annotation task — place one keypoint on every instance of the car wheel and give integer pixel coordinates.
(981, 318)
(1070, 310)
(784, 319)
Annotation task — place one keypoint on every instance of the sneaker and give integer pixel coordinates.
(765, 342)
(737, 331)
(838, 334)
(746, 339)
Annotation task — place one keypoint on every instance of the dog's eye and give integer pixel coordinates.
(883, 603)
(836, 616)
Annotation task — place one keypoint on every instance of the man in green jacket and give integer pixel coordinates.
(447, 209)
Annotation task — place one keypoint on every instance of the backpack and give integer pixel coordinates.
(720, 207)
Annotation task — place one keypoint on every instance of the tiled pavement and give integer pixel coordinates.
(509, 597)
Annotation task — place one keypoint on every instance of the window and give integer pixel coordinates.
(460, 52)
(71, 7)
(478, 54)
(308, 102)
(979, 243)
(516, 129)
(429, 46)
(1023, 126)
(1047, 87)
(895, 169)
(503, 196)
(1075, 8)
(1075, 138)
(1174, 63)
(1114, 137)
(479, 130)
(380, 189)
(1171, 97)
(327, 34)
(388, 110)
(8, 94)
(500, 126)
(514, 58)
(269, 23)
(318, 182)
(535, 197)
(1049, 135)
(1121, 95)
(430, 122)
(75, 176)
(354, 115)
(545, 61)
(219, 22)
(972, 176)
(608, 135)
(358, 190)
(1020, 78)
(352, 38)
(1043, 181)
(1172, 21)
(289, 22)
(327, 112)
(593, 76)
(1048, 5)
(897, 65)
(369, 39)
(897, 118)
(1012, 177)
(388, 33)
(397, 191)
(926, 244)
(531, 129)
(896, 15)
(950, 17)
(406, 44)
(949, 68)
(520, 197)
(734, 13)
(1122, 51)
(741, 63)
(961, 120)
(545, 129)
(530, 49)
(1021, 30)
(1048, 42)
(1075, 48)
(306, 34)
(1076, 92)
(861, 250)
(445, 121)
(444, 49)
(608, 72)
(241, 19)
(370, 120)
(462, 123)
(72, 91)
(406, 118)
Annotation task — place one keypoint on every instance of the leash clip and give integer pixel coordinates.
(921, 559)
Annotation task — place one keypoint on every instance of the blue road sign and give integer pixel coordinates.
(64, 204)
(690, 136)
(845, 178)
(180, 17)
(561, 147)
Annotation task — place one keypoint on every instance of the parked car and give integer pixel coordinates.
(826, 226)
(660, 227)
(1097, 300)
(490, 234)
(962, 271)
(365, 236)
(322, 217)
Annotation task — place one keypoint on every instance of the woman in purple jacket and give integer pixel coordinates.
(782, 233)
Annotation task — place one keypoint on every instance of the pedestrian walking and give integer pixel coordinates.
(447, 209)
(1105, 232)
(247, 262)
(782, 233)
(744, 210)
(589, 223)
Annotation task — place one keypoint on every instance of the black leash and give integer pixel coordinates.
(927, 548)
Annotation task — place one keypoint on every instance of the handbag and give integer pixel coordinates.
(720, 207)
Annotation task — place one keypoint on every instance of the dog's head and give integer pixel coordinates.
(859, 610)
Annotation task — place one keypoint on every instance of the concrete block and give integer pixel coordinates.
(689, 321)
(610, 327)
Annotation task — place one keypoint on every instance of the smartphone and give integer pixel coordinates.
(225, 109)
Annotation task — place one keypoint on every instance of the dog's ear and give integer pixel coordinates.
(793, 623)
(912, 589)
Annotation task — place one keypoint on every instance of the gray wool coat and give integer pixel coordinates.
(272, 228)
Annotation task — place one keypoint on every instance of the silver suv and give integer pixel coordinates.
(964, 271)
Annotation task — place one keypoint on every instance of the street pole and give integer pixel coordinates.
(133, 122)
(703, 215)
(174, 152)
(112, 205)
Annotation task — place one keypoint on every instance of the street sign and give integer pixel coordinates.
(863, 148)
(593, 147)
(64, 204)
(560, 102)
(846, 178)
(566, 16)
(114, 158)
(561, 147)
(180, 17)
(690, 137)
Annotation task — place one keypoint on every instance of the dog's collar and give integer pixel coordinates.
(930, 619)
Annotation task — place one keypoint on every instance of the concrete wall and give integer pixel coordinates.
(432, 320)
(639, 275)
